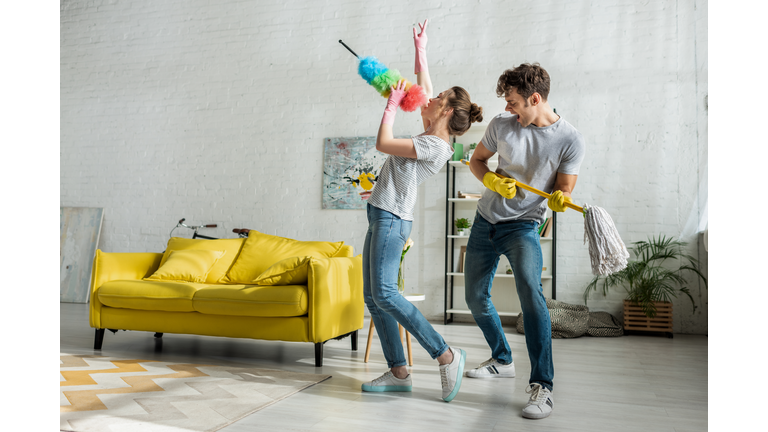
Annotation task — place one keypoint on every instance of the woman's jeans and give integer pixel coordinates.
(387, 234)
(519, 242)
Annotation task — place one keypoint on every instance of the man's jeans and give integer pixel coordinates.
(519, 242)
(387, 234)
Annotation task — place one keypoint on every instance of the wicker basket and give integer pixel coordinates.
(635, 319)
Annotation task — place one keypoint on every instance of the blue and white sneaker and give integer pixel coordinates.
(451, 373)
(540, 403)
(491, 368)
(389, 383)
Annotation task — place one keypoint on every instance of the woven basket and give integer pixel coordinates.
(635, 319)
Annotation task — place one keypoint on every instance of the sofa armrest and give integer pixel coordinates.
(336, 303)
(118, 266)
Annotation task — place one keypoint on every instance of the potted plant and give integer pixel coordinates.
(462, 226)
(651, 281)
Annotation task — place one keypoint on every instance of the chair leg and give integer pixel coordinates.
(158, 335)
(318, 354)
(410, 354)
(98, 339)
(368, 346)
(354, 340)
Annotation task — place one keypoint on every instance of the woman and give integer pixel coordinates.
(390, 216)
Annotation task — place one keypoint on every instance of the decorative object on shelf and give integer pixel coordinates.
(607, 252)
(462, 253)
(458, 151)
(401, 272)
(509, 269)
(382, 79)
(471, 150)
(462, 226)
(651, 283)
(350, 169)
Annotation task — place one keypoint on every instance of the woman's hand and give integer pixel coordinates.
(395, 97)
(420, 42)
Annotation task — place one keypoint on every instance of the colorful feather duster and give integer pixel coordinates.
(382, 79)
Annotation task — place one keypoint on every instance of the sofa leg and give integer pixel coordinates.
(354, 340)
(318, 354)
(98, 339)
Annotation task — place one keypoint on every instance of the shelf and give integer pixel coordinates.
(467, 312)
(474, 200)
(497, 275)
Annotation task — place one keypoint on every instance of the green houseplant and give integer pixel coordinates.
(652, 277)
(461, 225)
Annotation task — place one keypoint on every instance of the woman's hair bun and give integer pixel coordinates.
(475, 113)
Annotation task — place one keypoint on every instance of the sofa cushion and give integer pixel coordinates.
(261, 250)
(290, 271)
(250, 300)
(231, 247)
(149, 295)
(188, 265)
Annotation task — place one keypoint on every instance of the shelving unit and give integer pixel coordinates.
(504, 292)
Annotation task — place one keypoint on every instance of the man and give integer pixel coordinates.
(539, 148)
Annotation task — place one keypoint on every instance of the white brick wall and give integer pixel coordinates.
(216, 111)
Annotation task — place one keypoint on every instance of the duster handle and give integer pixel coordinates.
(350, 49)
(537, 192)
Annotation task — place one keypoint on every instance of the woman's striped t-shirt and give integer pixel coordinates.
(399, 178)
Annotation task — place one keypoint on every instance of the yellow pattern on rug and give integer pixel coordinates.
(109, 394)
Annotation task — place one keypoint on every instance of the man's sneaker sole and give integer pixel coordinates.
(459, 375)
(367, 388)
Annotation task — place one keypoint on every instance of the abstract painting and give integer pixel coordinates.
(80, 229)
(351, 168)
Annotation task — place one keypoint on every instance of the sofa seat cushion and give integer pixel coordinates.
(252, 300)
(149, 295)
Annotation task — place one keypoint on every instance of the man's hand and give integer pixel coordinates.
(502, 186)
(557, 201)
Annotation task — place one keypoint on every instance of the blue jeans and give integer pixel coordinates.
(387, 234)
(519, 242)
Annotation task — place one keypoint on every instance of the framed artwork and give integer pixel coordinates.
(80, 228)
(350, 169)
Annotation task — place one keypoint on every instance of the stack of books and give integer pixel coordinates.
(469, 194)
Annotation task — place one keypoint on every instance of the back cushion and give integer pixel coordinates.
(231, 248)
(261, 250)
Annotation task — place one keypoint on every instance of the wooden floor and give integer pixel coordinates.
(630, 383)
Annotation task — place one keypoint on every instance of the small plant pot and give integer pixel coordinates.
(462, 232)
(636, 320)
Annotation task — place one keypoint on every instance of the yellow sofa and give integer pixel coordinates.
(262, 287)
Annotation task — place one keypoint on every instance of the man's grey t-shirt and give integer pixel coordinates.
(399, 178)
(532, 155)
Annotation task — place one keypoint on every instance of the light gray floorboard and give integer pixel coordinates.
(630, 383)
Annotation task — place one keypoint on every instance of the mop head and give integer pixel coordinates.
(607, 252)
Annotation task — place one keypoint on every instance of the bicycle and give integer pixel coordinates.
(241, 232)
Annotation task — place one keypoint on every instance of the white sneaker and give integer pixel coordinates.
(389, 383)
(540, 404)
(451, 373)
(491, 368)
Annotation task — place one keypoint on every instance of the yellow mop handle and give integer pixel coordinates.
(536, 191)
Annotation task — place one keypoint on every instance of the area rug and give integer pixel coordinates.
(108, 394)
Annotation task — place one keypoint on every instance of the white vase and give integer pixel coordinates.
(461, 232)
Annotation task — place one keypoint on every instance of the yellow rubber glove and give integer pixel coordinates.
(502, 186)
(557, 201)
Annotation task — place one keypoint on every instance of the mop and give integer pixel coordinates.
(382, 79)
(607, 252)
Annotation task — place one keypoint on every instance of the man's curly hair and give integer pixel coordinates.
(527, 79)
